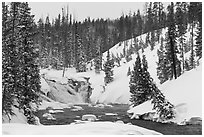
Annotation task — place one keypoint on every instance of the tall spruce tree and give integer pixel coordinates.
(81, 56)
(7, 64)
(199, 31)
(108, 69)
(30, 78)
(142, 88)
(171, 49)
(98, 58)
(181, 21)
(136, 84)
(161, 64)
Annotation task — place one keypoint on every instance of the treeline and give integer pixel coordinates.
(61, 39)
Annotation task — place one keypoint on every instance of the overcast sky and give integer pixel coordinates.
(82, 10)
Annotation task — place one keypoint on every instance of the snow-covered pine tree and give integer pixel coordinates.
(199, 31)
(152, 43)
(108, 69)
(42, 42)
(98, 58)
(28, 56)
(181, 21)
(170, 46)
(199, 41)
(81, 57)
(137, 84)
(161, 64)
(164, 108)
(7, 69)
(187, 67)
(144, 61)
(142, 88)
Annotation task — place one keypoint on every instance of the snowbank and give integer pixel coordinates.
(17, 118)
(186, 94)
(89, 128)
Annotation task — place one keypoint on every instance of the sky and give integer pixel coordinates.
(82, 10)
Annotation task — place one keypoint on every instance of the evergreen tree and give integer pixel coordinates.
(144, 61)
(152, 43)
(108, 66)
(129, 72)
(136, 84)
(181, 21)
(41, 43)
(171, 48)
(7, 69)
(161, 64)
(199, 41)
(30, 71)
(164, 108)
(98, 58)
(142, 88)
(81, 57)
(187, 67)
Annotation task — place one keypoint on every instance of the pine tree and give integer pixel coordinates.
(129, 72)
(199, 41)
(171, 48)
(144, 61)
(181, 21)
(98, 58)
(142, 88)
(187, 67)
(48, 50)
(41, 43)
(7, 69)
(108, 66)
(29, 62)
(152, 43)
(163, 107)
(136, 84)
(161, 64)
(81, 57)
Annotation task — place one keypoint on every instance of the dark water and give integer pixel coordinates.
(120, 111)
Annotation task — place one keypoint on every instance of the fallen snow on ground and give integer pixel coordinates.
(89, 128)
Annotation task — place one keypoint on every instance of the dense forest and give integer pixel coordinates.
(29, 45)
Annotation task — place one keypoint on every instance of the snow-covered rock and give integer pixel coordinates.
(65, 89)
(55, 111)
(89, 117)
(76, 108)
(49, 116)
